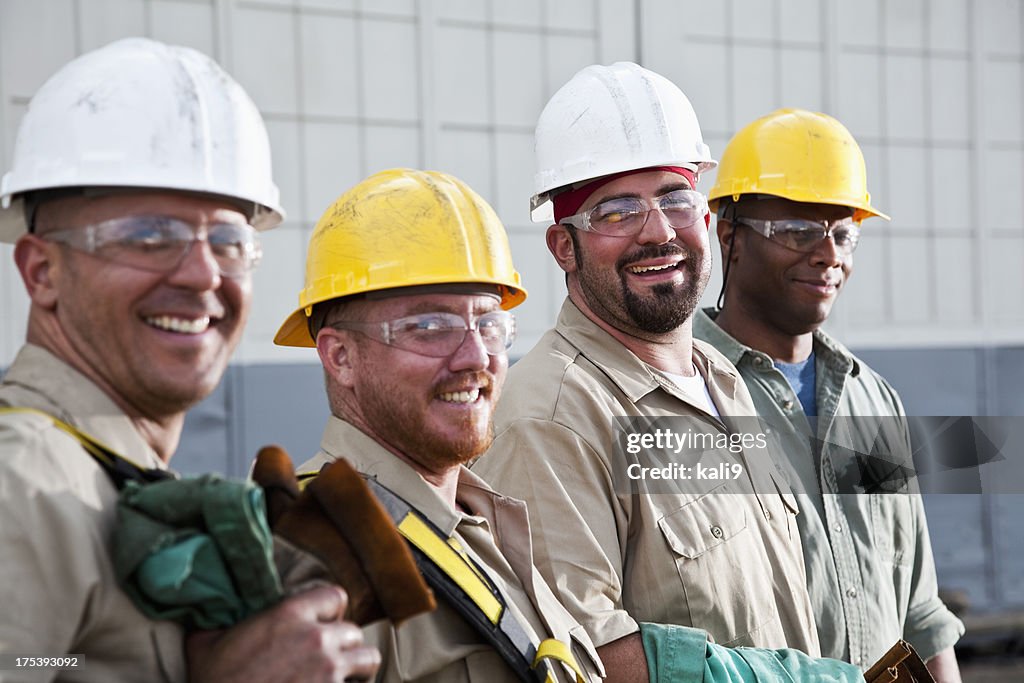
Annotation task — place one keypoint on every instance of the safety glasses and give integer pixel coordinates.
(626, 216)
(804, 235)
(439, 335)
(160, 243)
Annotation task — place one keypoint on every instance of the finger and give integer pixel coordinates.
(323, 603)
(343, 635)
(360, 664)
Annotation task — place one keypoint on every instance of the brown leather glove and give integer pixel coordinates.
(339, 521)
(901, 664)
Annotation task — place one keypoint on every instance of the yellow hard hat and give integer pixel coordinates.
(799, 155)
(403, 228)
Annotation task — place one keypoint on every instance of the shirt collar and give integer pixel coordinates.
(835, 354)
(343, 440)
(631, 375)
(52, 386)
(826, 347)
(704, 327)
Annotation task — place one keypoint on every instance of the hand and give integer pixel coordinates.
(301, 639)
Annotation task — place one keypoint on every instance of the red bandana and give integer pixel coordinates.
(568, 203)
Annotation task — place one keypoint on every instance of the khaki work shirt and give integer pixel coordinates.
(721, 556)
(440, 646)
(869, 561)
(57, 518)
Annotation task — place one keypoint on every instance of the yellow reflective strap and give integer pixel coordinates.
(445, 557)
(94, 446)
(556, 649)
(454, 543)
(304, 478)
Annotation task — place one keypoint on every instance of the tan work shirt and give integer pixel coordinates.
(720, 555)
(440, 646)
(57, 517)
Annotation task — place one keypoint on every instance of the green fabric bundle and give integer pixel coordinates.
(196, 550)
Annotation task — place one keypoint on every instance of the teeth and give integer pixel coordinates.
(166, 322)
(461, 396)
(648, 269)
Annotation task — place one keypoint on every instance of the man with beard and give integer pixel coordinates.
(619, 150)
(141, 175)
(790, 194)
(409, 279)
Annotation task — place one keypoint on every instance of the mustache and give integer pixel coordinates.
(652, 251)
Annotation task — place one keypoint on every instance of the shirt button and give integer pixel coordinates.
(717, 532)
(787, 404)
(838, 528)
(851, 592)
(768, 515)
(759, 361)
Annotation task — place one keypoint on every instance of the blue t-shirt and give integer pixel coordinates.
(801, 377)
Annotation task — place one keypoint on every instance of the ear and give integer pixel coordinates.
(726, 233)
(38, 265)
(561, 246)
(337, 352)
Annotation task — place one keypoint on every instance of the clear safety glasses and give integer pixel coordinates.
(626, 216)
(159, 243)
(439, 335)
(804, 235)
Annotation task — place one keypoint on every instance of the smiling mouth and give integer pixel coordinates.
(817, 288)
(460, 396)
(640, 270)
(180, 325)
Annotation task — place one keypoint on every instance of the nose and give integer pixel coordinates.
(198, 268)
(656, 229)
(826, 253)
(471, 354)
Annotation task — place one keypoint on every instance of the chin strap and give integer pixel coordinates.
(728, 255)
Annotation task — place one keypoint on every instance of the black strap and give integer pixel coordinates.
(507, 636)
(120, 469)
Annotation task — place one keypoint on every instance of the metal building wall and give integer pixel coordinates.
(348, 87)
(932, 89)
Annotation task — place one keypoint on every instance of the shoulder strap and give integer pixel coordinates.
(119, 468)
(464, 585)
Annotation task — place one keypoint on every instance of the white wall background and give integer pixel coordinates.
(932, 89)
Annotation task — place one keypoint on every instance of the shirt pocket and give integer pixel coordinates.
(893, 526)
(724, 571)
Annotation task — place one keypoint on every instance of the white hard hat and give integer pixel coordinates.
(610, 119)
(140, 114)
